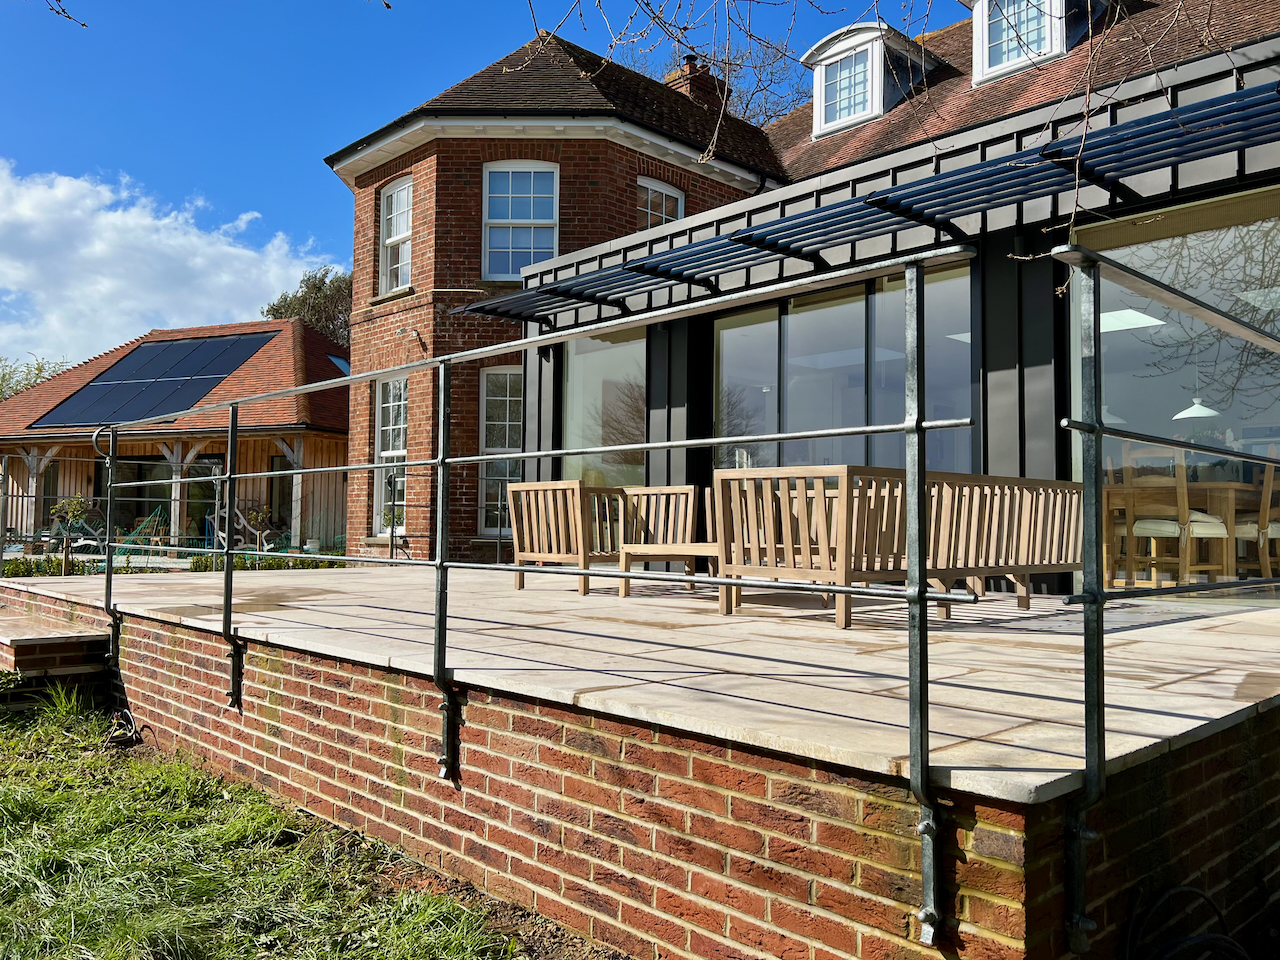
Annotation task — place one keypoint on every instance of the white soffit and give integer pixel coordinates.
(426, 129)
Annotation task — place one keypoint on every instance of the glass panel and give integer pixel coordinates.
(948, 367)
(888, 382)
(746, 378)
(543, 208)
(824, 371)
(1170, 375)
(1016, 28)
(499, 182)
(544, 183)
(605, 403)
(521, 182)
(521, 208)
(499, 208)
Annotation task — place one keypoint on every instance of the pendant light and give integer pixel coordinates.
(1197, 410)
(1110, 419)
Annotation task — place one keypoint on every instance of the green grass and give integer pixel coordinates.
(106, 855)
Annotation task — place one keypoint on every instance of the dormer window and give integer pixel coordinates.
(1011, 34)
(846, 88)
(860, 72)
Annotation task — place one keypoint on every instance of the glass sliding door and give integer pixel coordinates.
(746, 386)
(824, 376)
(605, 403)
(837, 359)
(948, 362)
(1167, 374)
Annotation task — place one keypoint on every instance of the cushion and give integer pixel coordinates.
(1200, 526)
(1247, 527)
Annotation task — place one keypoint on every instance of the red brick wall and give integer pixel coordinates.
(597, 204)
(670, 845)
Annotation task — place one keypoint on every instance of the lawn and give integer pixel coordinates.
(118, 854)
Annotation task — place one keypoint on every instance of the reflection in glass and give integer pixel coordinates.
(746, 377)
(604, 403)
(824, 346)
(1170, 375)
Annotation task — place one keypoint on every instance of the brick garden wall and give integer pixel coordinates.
(666, 845)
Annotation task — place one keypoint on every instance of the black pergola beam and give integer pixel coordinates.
(907, 212)
(783, 249)
(664, 274)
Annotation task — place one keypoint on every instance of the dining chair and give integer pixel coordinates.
(1157, 511)
(1262, 528)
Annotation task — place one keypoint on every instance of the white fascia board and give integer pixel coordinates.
(1035, 119)
(425, 129)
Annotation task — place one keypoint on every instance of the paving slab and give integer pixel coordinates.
(1006, 699)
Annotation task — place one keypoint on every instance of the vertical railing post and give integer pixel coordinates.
(449, 706)
(1078, 834)
(917, 509)
(108, 604)
(236, 653)
(4, 503)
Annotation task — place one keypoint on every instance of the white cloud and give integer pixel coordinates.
(86, 265)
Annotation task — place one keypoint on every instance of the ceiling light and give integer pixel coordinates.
(1268, 298)
(1197, 410)
(1110, 419)
(962, 337)
(1114, 321)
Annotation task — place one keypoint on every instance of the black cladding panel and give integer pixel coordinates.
(155, 378)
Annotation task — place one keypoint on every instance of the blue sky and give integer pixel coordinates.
(178, 147)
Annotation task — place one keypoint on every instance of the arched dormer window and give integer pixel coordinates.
(861, 71)
(1009, 35)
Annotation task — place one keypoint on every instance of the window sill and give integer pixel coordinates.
(396, 294)
(382, 540)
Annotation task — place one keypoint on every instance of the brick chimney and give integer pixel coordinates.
(696, 81)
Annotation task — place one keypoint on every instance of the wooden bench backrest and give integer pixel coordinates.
(977, 524)
(660, 515)
(564, 521)
(790, 518)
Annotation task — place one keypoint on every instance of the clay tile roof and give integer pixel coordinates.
(296, 355)
(1147, 36)
(550, 76)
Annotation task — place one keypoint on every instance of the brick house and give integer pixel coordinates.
(548, 150)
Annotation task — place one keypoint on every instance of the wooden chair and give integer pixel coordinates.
(1262, 528)
(1157, 511)
(564, 522)
(785, 523)
(660, 525)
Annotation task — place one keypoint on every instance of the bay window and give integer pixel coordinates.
(396, 240)
(659, 203)
(391, 448)
(501, 427)
(521, 206)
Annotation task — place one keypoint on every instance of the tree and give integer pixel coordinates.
(322, 301)
(18, 375)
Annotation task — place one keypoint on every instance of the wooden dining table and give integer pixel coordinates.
(1218, 498)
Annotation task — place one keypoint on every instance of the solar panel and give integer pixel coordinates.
(155, 378)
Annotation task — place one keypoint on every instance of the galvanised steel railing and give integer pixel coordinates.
(1093, 268)
(915, 593)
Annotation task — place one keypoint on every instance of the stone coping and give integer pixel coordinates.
(1006, 691)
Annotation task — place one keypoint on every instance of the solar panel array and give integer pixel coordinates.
(155, 378)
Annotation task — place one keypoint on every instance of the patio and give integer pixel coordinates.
(1006, 687)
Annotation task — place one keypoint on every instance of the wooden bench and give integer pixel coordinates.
(844, 525)
(564, 522)
(660, 524)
